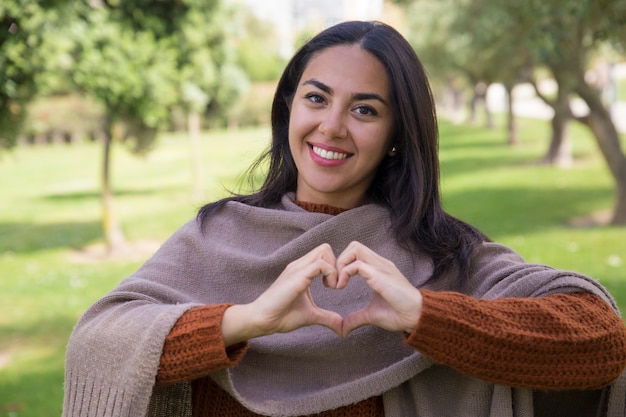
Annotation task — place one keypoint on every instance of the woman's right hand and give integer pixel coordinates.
(287, 304)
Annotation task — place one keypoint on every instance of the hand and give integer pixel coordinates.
(287, 304)
(396, 304)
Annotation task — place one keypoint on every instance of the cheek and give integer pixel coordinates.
(301, 124)
(379, 141)
(295, 135)
(295, 122)
(292, 128)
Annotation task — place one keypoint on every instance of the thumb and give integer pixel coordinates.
(330, 319)
(353, 321)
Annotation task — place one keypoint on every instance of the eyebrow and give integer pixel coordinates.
(356, 96)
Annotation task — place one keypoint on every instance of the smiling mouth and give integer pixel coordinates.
(330, 155)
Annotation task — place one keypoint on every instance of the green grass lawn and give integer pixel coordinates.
(50, 270)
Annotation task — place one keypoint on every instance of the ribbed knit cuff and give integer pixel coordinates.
(194, 347)
(562, 341)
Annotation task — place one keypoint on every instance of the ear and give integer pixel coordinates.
(393, 151)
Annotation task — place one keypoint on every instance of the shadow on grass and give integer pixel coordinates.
(468, 156)
(457, 166)
(95, 194)
(466, 148)
(525, 211)
(448, 140)
(29, 237)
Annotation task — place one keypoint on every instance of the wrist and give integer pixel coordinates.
(417, 313)
(236, 327)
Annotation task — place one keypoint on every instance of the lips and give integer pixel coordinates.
(328, 156)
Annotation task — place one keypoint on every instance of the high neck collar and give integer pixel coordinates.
(320, 208)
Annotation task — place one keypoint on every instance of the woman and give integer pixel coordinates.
(341, 287)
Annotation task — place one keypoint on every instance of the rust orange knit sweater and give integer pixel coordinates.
(544, 343)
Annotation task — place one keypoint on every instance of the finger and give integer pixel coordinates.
(325, 253)
(358, 267)
(356, 259)
(327, 318)
(324, 257)
(345, 264)
(354, 320)
(319, 260)
(349, 254)
(331, 320)
(330, 279)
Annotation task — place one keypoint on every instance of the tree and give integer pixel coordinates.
(257, 53)
(560, 36)
(563, 36)
(141, 58)
(209, 80)
(134, 76)
(463, 37)
(29, 48)
(138, 58)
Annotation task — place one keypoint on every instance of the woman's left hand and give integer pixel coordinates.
(396, 304)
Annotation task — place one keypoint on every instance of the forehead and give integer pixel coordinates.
(347, 68)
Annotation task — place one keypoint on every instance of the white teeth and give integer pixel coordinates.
(328, 154)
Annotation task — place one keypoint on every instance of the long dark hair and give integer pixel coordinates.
(407, 183)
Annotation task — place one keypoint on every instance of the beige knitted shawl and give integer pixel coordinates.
(113, 354)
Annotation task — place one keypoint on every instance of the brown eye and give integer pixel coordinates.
(315, 98)
(366, 111)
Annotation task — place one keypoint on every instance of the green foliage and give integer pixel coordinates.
(465, 37)
(210, 78)
(259, 60)
(26, 50)
(255, 108)
(131, 72)
(12, 117)
(563, 33)
(139, 58)
(154, 16)
(258, 55)
(234, 85)
(496, 39)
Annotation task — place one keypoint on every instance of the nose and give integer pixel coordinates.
(333, 125)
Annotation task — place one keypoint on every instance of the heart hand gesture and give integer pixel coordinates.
(395, 305)
(287, 304)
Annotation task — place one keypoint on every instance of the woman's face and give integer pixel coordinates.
(340, 126)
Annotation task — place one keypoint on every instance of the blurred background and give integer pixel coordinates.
(120, 118)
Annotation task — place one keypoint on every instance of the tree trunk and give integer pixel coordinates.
(511, 121)
(453, 101)
(479, 97)
(489, 123)
(472, 108)
(560, 149)
(601, 125)
(113, 236)
(193, 129)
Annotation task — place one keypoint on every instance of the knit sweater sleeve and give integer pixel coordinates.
(557, 342)
(194, 346)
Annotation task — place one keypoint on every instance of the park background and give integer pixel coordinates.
(175, 97)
